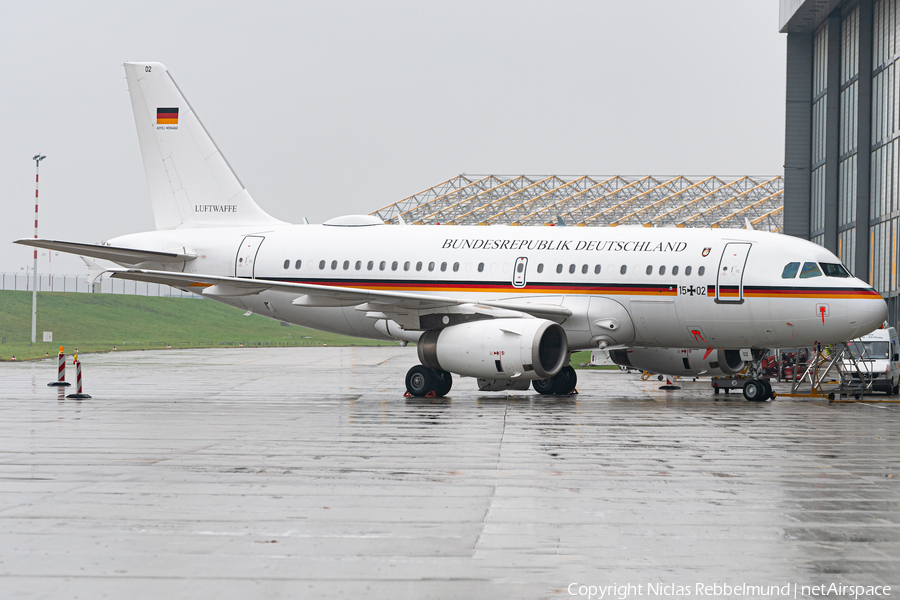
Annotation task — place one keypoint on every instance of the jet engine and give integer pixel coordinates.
(678, 361)
(510, 348)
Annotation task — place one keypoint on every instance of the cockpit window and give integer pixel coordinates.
(810, 269)
(790, 270)
(834, 270)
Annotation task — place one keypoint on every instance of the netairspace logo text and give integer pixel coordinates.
(725, 590)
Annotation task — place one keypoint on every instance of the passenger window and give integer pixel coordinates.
(675, 270)
(623, 270)
(520, 267)
(584, 269)
(687, 271)
(431, 266)
(596, 269)
(649, 270)
(287, 263)
(406, 266)
(333, 265)
(297, 264)
(701, 271)
(571, 268)
(809, 270)
(443, 266)
(322, 265)
(419, 266)
(662, 270)
(358, 265)
(455, 267)
(381, 266)
(346, 264)
(540, 268)
(394, 266)
(790, 270)
(834, 270)
(480, 267)
(559, 268)
(370, 265)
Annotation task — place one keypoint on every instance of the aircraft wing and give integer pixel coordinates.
(309, 294)
(128, 256)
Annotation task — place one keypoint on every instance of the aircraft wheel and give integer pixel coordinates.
(768, 392)
(566, 380)
(544, 386)
(445, 383)
(420, 380)
(560, 384)
(754, 391)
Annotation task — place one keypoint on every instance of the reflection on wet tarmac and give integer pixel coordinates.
(305, 473)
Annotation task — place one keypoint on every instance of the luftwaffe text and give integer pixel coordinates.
(221, 208)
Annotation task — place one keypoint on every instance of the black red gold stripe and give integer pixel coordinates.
(795, 292)
(491, 287)
(600, 289)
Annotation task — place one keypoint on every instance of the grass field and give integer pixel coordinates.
(98, 322)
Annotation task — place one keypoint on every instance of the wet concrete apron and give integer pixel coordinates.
(305, 473)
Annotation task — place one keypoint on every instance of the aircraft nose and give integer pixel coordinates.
(870, 312)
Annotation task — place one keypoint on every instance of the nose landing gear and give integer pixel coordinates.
(758, 389)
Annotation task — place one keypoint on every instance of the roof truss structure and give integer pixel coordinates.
(595, 201)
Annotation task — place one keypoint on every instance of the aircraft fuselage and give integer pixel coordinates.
(664, 287)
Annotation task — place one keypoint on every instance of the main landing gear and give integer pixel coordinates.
(425, 382)
(559, 385)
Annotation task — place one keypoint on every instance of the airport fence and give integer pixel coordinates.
(81, 284)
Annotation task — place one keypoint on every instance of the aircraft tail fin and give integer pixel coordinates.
(191, 183)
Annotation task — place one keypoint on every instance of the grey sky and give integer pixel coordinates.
(330, 108)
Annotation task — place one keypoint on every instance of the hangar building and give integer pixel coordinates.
(594, 200)
(842, 133)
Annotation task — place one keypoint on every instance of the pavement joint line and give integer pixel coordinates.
(487, 511)
(251, 360)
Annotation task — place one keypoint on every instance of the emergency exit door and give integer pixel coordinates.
(730, 280)
(518, 279)
(245, 262)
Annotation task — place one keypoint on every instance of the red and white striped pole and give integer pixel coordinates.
(78, 383)
(61, 370)
(37, 158)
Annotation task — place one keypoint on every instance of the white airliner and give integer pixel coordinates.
(505, 305)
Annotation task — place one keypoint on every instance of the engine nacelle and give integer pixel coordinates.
(678, 361)
(497, 349)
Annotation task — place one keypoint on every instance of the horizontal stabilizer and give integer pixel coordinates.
(122, 256)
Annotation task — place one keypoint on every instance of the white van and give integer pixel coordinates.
(880, 350)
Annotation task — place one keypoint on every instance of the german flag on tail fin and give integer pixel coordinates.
(167, 116)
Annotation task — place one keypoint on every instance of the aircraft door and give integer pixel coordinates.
(245, 261)
(730, 278)
(518, 279)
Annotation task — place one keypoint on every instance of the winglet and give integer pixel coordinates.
(94, 270)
